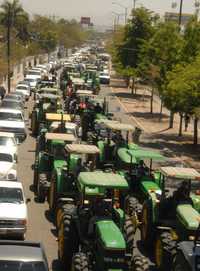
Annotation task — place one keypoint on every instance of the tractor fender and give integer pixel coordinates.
(101, 146)
(57, 176)
(43, 162)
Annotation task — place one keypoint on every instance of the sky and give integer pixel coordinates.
(100, 11)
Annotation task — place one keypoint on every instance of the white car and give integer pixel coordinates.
(8, 170)
(8, 140)
(12, 121)
(32, 81)
(13, 210)
(104, 77)
(24, 89)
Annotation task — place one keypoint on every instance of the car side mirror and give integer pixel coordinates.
(28, 200)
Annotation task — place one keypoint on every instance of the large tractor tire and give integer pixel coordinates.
(129, 234)
(67, 238)
(140, 263)
(165, 250)
(134, 209)
(147, 230)
(80, 262)
(40, 190)
(61, 210)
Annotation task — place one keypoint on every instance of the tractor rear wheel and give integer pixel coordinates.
(40, 190)
(67, 238)
(80, 262)
(140, 263)
(129, 234)
(165, 250)
(147, 231)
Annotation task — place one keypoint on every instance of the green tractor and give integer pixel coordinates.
(92, 81)
(116, 136)
(96, 234)
(141, 178)
(51, 156)
(170, 214)
(63, 188)
(188, 256)
(46, 103)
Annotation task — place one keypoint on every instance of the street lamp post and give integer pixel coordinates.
(180, 12)
(125, 8)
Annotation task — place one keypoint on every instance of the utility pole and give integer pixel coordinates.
(9, 22)
(180, 12)
(134, 4)
(125, 15)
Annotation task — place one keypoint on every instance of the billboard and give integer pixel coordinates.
(86, 20)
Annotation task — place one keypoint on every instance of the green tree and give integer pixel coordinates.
(162, 53)
(182, 91)
(11, 15)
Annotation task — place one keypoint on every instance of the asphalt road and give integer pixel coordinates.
(40, 227)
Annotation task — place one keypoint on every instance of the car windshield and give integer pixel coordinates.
(7, 141)
(5, 157)
(22, 87)
(11, 194)
(10, 116)
(21, 266)
(11, 104)
(34, 73)
(30, 80)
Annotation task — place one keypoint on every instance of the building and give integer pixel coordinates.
(86, 22)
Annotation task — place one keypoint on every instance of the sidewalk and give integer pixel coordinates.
(156, 133)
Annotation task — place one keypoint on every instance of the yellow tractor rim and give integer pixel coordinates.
(51, 194)
(158, 252)
(144, 223)
(58, 217)
(61, 240)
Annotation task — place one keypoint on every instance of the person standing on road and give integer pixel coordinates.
(2, 92)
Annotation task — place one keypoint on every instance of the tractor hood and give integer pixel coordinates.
(188, 216)
(110, 235)
(149, 186)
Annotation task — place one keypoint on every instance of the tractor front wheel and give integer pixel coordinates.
(133, 209)
(165, 250)
(140, 263)
(67, 238)
(80, 262)
(129, 234)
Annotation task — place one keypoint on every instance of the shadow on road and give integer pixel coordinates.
(56, 265)
(148, 115)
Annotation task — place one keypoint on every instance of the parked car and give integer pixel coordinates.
(14, 104)
(15, 96)
(13, 210)
(12, 120)
(8, 140)
(22, 256)
(8, 170)
(24, 89)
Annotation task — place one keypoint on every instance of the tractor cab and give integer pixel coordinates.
(52, 155)
(171, 213)
(79, 157)
(117, 137)
(87, 158)
(46, 103)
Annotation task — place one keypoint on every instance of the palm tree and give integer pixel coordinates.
(11, 14)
